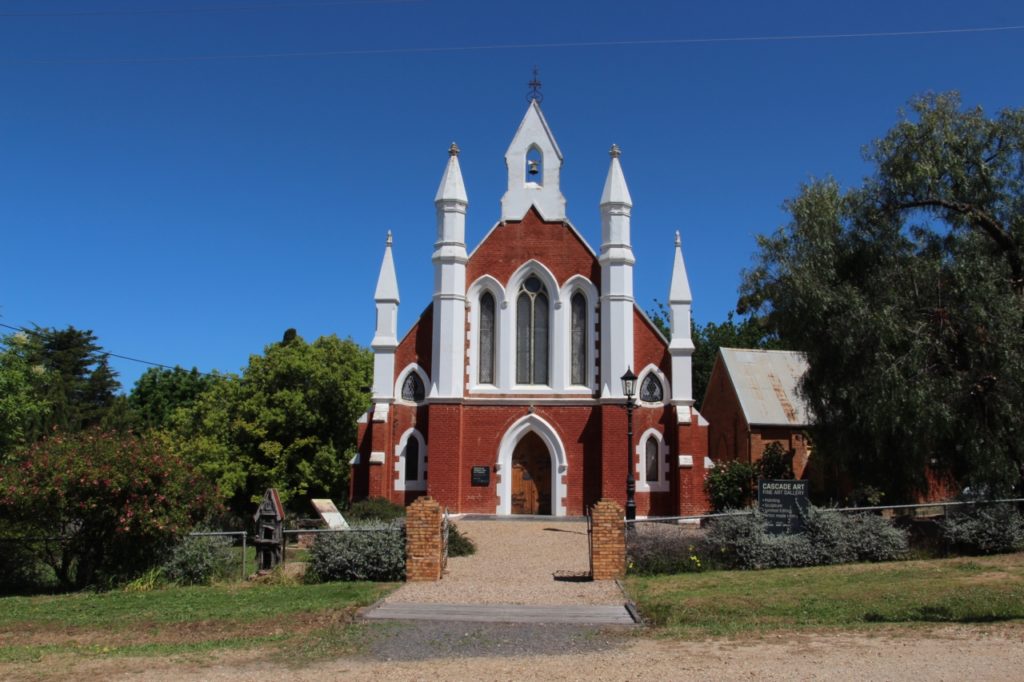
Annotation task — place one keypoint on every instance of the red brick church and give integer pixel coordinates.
(505, 396)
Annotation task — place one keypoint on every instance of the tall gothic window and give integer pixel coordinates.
(579, 339)
(532, 333)
(412, 459)
(651, 390)
(412, 388)
(651, 461)
(486, 373)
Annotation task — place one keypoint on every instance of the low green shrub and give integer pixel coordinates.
(652, 549)
(197, 560)
(21, 571)
(375, 509)
(829, 537)
(983, 529)
(459, 544)
(370, 551)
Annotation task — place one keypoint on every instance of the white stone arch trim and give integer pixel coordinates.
(421, 481)
(531, 423)
(579, 283)
(556, 314)
(666, 388)
(485, 283)
(411, 367)
(642, 484)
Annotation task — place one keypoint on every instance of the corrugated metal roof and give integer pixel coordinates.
(766, 381)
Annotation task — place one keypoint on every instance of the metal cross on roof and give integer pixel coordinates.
(535, 93)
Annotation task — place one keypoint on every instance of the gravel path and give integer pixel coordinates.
(517, 562)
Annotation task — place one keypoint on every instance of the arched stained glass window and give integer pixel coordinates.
(532, 333)
(412, 459)
(651, 390)
(486, 371)
(412, 388)
(651, 460)
(579, 340)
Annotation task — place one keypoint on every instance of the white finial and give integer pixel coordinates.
(615, 152)
(388, 241)
(454, 150)
(679, 242)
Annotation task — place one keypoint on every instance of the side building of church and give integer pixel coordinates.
(505, 395)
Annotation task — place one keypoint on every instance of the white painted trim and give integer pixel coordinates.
(579, 283)
(485, 283)
(421, 482)
(411, 367)
(666, 387)
(642, 484)
(559, 464)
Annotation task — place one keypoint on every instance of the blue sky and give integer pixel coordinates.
(189, 178)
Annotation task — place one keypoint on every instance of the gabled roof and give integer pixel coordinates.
(766, 385)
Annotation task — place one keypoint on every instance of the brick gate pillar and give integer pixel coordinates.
(607, 541)
(424, 544)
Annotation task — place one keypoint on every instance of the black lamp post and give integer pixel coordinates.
(629, 390)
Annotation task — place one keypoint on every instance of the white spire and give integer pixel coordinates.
(452, 187)
(387, 281)
(534, 164)
(615, 189)
(385, 337)
(680, 346)
(679, 292)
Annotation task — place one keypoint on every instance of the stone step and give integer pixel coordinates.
(502, 613)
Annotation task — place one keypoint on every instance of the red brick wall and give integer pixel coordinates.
(553, 244)
(721, 407)
(415, 346)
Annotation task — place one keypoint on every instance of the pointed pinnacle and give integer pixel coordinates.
(388, 241)
(454, 150)
(615, 152)
(679, 242)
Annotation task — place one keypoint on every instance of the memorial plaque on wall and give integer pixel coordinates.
(480, 476)
(783, 505)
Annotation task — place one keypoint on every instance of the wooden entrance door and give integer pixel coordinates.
(531, 476)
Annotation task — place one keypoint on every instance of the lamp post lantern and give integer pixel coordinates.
(629, 390)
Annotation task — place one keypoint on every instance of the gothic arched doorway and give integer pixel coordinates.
(531, 476)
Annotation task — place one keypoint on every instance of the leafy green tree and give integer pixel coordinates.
(22, 407)
(102, 507)
(288, 422)
(75, 379)
(906, 295)
(748, 332)
(159, 392)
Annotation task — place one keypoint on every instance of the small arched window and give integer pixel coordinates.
(651, 451)
(412, 388)
(532, 332)
(651, 390)
(412, 459)
(486, 371)
(579, 340)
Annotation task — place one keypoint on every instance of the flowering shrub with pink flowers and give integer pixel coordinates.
(100, 507)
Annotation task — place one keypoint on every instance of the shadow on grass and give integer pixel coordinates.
(938, 614)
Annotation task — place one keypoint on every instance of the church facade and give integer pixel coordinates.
(505, 397)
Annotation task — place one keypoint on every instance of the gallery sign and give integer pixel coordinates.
(783, 504)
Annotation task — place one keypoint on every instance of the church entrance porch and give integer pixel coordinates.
(531, 477)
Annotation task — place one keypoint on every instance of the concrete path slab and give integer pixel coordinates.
(503, 613)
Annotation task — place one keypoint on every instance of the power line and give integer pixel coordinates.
(203, 10)
(514, 46)
(36, 332)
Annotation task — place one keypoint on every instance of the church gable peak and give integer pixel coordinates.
(534, 164)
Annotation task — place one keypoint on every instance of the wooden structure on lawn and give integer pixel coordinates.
(269, 534)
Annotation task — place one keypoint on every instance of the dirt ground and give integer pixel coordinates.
(953, 653)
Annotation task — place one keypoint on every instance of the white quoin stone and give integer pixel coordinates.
(525, 190)
(448, 354)
(680, 346)
(616, 280)
(385, 338)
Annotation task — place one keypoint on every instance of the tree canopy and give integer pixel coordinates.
(906, 295)
(288, 422)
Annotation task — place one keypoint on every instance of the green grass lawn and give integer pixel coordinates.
(315, 618)
(963, 590)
